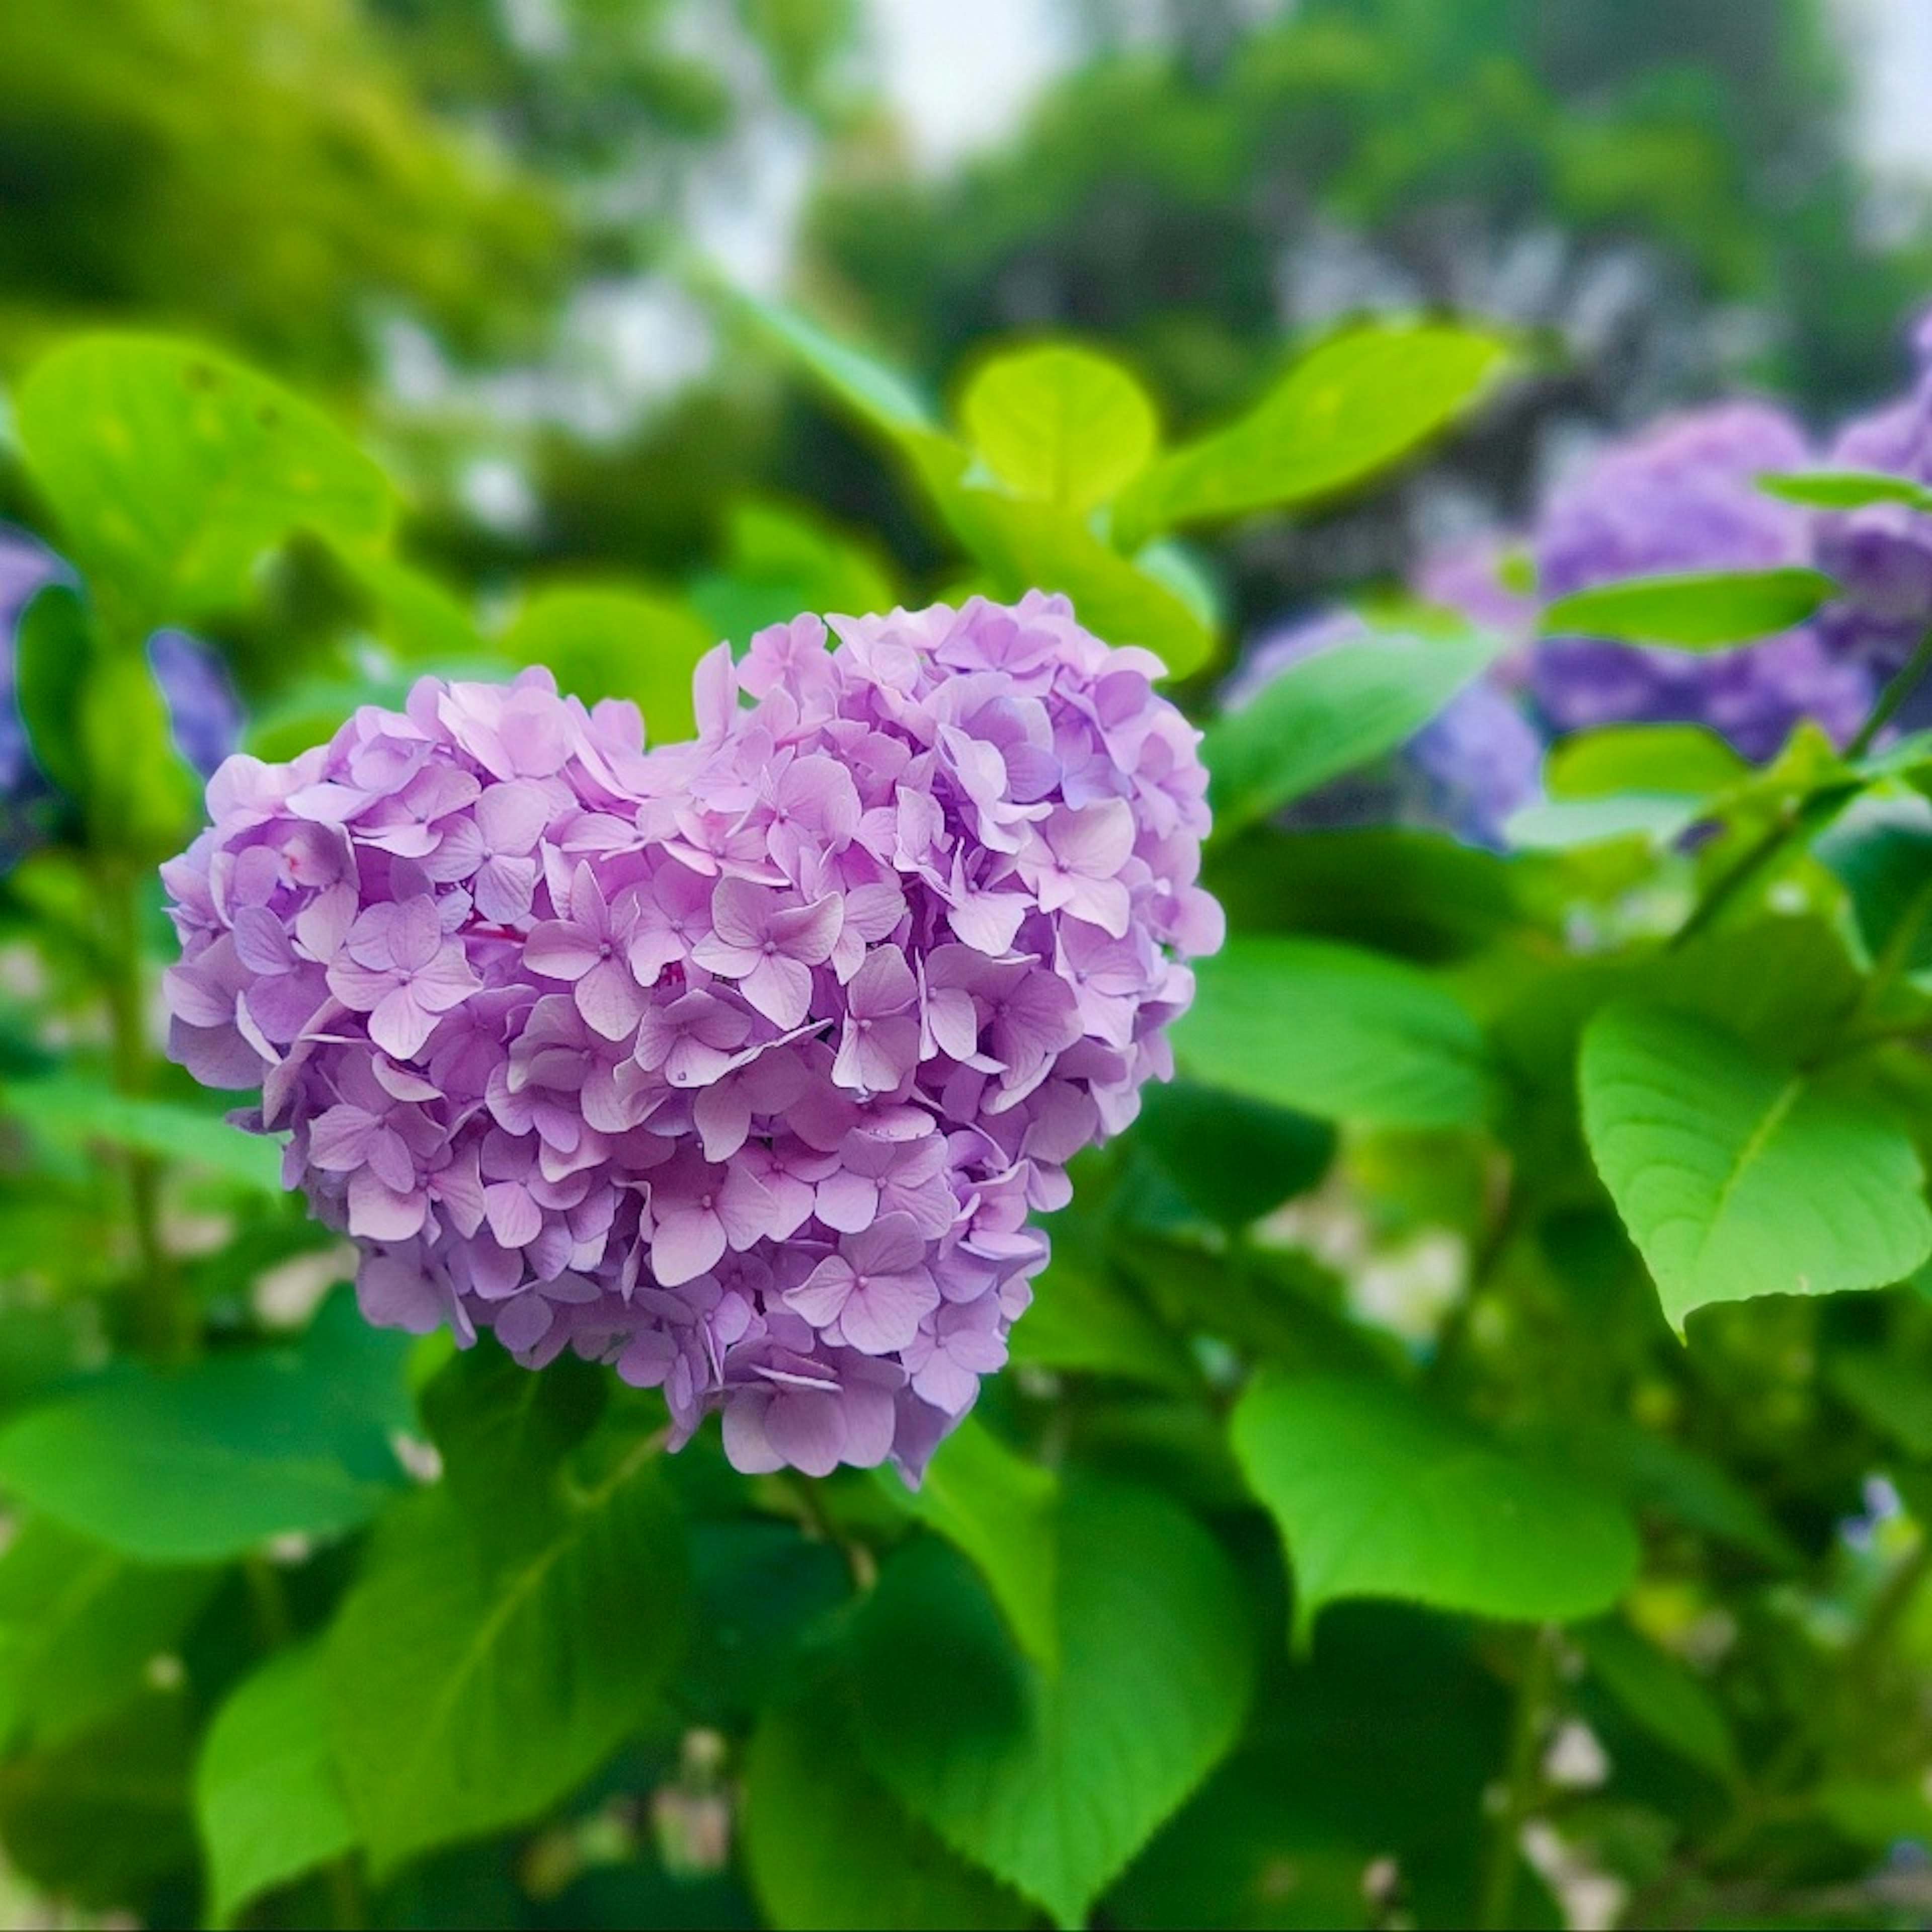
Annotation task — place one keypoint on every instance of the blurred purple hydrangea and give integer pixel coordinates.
(1681, 497)
(739, 1064)
(1474, 765)
(203, 711)
(1882, 555)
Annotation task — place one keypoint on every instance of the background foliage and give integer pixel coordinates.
(1467, 1461)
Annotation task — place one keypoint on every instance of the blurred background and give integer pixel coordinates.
(485, 229)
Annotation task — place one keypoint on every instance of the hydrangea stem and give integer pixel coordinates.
(161, 1321)
(1504, 1853)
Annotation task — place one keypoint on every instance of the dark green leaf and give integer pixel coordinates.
(1082, 1320)
(1053, 1780)
(78, 1627)
(1232, 1160)
(827, 1846)
(53, 646)
(1881, 851)
(1377, 1494)
(268, 1801)
(1334, 1032)
(1331, 713)
(1893, 1394)
(1737, 1177)
(1665, 1697)
(1701, 611)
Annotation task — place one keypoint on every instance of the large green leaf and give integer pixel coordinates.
(612, 640)
(1231, 1159)
(466, 1696)
(827, 1846)
(211, 1461)
(172, 471)
(871, 388)
(780, 560)
(1881, 850)
(1352, 405)
(267, 1796)
(1338, 709)
(1709, 610)
(1083, 1320)
(990, 1502)
(1333, 1031)
(1377, 1494)
(1052, 1781)
(79, 1625)
(1061, 423)
(1891, 1392)
(1737, 1176)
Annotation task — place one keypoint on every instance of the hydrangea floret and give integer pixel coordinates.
(741, 1064)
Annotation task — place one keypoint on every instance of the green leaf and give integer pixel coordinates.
(53, 645)
(1665, 1697)
(1028, 546)
(79, 1625)
(1354, 405)
(613, 641)
(101, 1818)
(267, 1797)
(1892, 1394)
(172, 472)
(1232, 1160)
(1698, 612)
(1676, 760)
(877, 391)
(827, 1846)
(211, 1461)
(1737, 1177)
(1847, 490)
(999, 1510)
(1881, 851)
(1053, 1780)
(465, 1697)
(1060, 423)
(1333, 1031)
(76, 1113)
(414, 612)
(1331, 713)
(1082, 1320)
(780, 561)
(1376, 1494)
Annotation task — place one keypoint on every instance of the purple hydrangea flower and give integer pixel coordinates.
(1882, 555)
(1682, 497)
(1477, 762)
(738, 1063)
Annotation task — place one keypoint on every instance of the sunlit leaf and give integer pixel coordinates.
(1847, 490)
(1377, 1494)
(1061, 423)
(1737, 1176)
(1708, 611)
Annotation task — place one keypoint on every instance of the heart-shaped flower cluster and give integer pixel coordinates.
(738, 1063)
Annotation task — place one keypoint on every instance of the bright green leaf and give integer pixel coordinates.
(1333, 1031)
(172, 472)
(1846, 490)
(999, 1509)
(1334, 711)
(612, 641)
(211, 1461)
(1060, 423)
(780, 561)
(1355, 404)
(1053, 1781)
(879, 393)
(1701, 611)
(467, 1696)
(827, 1846)
(1738, 1177)
(268, 1801)
(1377, 1494)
